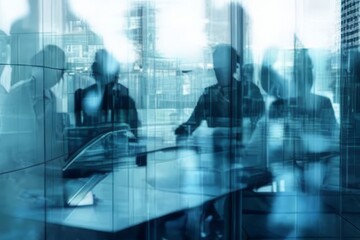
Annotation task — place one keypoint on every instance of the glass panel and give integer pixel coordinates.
(167, 119)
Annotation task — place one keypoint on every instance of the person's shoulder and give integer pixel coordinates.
(322, 98)
(88, 89)
(119, 87)
(21, 94)
(91, 87)
(321, 101)
(2, 90)
(277, 108)
(247, 84)
(210, 89)
(123, 93)
(278, 104)
(244, 84)
(249, 89)
(17, 26)
(22, 85)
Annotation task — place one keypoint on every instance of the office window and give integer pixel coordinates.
(196, 119)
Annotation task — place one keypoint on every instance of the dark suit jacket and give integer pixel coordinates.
(115, 106)
(312, 109)
(218, 110)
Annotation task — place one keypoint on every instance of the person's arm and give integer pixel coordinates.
(254, 106)
(258, 106)
(195, 119)
(328, 118)
(134, 121)
(77, 106)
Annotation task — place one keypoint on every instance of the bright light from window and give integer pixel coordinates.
(10, 11)
(108, 19)
(272, 23)
(181, 31)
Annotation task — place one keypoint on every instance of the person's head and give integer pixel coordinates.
(225, 59)
(303, 72)
(33, 5)
(4, 47)
(105, 68)
(49, 65)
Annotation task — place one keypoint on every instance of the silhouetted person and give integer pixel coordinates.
(33, 98)
(271, 81)
(309, 141)
(33, 142)
(106, 101)
(226, 103)
(308, 109)
(5, 69)
(24, 35)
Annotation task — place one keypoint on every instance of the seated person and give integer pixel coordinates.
(229, 101)
(310, 116)
(308, 142)
(275, 85)
(224, 106)
(106, 101)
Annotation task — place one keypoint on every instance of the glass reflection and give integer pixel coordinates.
(241, 107)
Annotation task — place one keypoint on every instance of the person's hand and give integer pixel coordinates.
(181, 139)
(181, 131)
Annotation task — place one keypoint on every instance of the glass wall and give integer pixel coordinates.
(162, 119)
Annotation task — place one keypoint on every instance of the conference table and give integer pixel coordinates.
(150, 181)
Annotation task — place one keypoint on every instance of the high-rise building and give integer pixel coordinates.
(350, 29)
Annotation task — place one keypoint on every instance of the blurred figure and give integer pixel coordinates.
(24, 35)
(32, 102)
(106, 101)
(33, 152)
(311, 113)
(310, 136)
(224, 107)
(5, 69)
(271, 81)
(350, 112)
(226, 103)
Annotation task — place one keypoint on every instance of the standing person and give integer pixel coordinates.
(5, 69)
(24, 40)
(106, 101)
(48, 67)
(34, 149)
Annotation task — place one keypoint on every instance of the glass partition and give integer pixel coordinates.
(162, 119)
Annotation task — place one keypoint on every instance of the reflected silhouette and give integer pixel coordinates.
(226, 103)
(271, 81)
(106, 101)
(24, 35)
(32, 155)
(31, 103)
(305, 108)
(310, 135)
(5, 69)
(224, 106)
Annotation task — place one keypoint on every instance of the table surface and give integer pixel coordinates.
(177, 177)
(130, 196)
